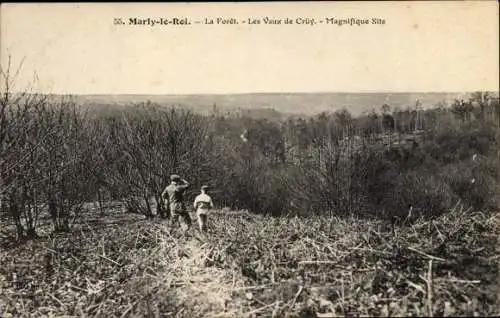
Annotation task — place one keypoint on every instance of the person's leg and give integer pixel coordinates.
(165, 209)
(185, 221)
(178, 218)
(204, 219)
(173, 215)
(173, 220)
(200, 221)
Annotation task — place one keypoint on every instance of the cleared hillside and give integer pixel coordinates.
(121, 265)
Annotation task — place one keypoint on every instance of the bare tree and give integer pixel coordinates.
(150, 144)
(21, 142)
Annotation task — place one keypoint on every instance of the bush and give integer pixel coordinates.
(474, 182)
(449, 145)
(429, 195)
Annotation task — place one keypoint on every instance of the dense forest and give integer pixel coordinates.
(56, 156)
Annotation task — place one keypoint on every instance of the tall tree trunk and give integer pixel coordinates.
(148, 212)
(100, 199)
(15, 212)
(52, 205)
(161, 209)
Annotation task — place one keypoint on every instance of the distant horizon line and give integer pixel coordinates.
(270, 93)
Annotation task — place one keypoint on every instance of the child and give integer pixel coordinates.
(202, 204)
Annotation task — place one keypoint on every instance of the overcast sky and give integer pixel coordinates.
(442, 46)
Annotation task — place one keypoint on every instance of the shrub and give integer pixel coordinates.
(473, 181)
(449, 145)
(429, 195)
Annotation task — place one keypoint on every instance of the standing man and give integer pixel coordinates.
(202, 204)
(175, 192)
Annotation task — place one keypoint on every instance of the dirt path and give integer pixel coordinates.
(201, 291)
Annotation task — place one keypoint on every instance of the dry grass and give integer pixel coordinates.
(252, 266)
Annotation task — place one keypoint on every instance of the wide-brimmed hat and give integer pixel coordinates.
(175, 177)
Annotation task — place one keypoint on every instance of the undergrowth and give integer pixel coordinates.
(257, 266)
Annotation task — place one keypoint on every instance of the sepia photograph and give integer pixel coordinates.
(250, 159)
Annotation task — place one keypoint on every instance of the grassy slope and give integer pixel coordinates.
(123, 265)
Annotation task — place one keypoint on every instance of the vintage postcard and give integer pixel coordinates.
(249, 159)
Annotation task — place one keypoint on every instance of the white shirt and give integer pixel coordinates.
(203, 203)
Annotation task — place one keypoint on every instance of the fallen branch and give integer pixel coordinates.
(253, 287)
(317, 262)
(416, 286)
(297, 296)
(110, 260)
(49, 249)
(458, 281)
(428, 281)
(427, 255)
(336, 264)
(325, 315)
(78, 288)
(261, 308)
(429, 287)
(55, 298)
